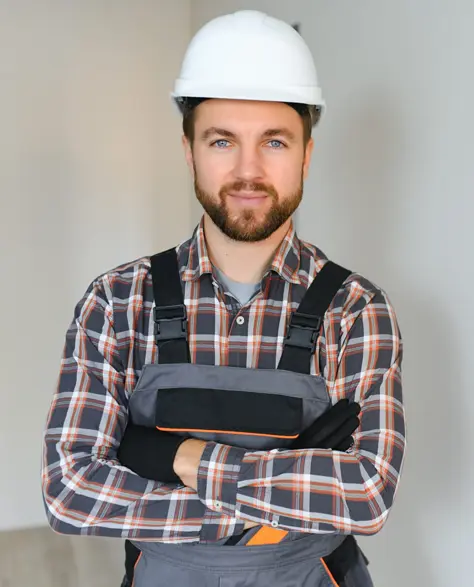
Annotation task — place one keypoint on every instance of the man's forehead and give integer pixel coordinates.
(245, 115)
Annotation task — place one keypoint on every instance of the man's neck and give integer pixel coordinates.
(241, 261)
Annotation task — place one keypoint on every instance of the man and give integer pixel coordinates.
(233, 406)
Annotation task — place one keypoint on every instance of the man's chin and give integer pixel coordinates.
(247, 233)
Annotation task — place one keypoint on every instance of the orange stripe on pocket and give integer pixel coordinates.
(225, 432)
(326, 568)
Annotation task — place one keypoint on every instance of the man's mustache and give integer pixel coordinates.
(245, 186)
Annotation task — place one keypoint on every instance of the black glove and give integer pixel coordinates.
(150, 453)
(333, 429)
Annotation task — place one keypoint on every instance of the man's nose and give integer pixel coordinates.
(249, 164)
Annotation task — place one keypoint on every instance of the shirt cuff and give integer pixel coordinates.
(217, 528)
(218, 476)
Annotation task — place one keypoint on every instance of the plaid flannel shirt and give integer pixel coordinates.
(110, 339)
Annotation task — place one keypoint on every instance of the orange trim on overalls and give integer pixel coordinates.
(267, 535)
(329, 573)
(225, 432)
(135, 566)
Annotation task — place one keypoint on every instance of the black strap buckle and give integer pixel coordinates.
(303, 331)
(170, 322)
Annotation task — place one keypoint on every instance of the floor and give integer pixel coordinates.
(41, 558)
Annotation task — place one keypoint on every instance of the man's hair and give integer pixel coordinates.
(310, 116)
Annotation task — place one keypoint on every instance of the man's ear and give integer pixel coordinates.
(307, 157)
(188, 154)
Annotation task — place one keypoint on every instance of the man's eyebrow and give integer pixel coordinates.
(280, 132)
(268, 134)
(214, 130)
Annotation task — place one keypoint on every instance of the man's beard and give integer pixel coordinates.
(246, 226)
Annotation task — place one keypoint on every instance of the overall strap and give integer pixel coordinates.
(169, 313)
(306, 322)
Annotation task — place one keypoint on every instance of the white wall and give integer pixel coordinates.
(91, 175)
(391, 195)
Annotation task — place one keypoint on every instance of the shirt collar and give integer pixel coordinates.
(285, 263)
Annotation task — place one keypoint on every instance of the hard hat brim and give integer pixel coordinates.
(299, 95)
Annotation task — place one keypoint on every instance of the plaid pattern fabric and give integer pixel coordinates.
(110, 339)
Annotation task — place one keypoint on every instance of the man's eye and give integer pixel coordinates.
(221, 143)
(276, 144)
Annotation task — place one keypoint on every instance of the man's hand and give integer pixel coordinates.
(149, 452)
(161, 456)
(187, 459)
(186, 465)
(332, 430)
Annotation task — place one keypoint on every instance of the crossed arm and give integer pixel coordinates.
(87, 491)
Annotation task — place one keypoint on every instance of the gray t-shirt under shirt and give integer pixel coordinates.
(243, 292)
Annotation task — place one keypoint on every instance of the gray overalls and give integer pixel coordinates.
(257, 409)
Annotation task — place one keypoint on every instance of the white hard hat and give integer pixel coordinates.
(249, 55)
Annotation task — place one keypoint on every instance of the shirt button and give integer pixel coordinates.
(217, 505)
(274, 524)
(240, 320)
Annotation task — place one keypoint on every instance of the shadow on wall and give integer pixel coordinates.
(372, 146)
